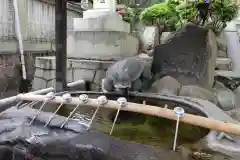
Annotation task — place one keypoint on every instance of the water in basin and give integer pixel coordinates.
(138, 127)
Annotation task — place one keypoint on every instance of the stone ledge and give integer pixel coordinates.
(224, 61)
(108, 22)
(48, 62)
(102, 45)
(231, 74)
(89, 70)
(90, 64)
(50, 74)
(224, 64)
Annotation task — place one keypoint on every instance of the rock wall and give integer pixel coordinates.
(89, 70)
(10, 74)
(189, 55)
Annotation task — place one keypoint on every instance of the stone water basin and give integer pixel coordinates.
(192, 141)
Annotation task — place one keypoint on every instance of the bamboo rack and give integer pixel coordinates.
(144, 109)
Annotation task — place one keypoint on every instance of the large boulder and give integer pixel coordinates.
(235, 113)
(166, 85)
(189, 55)
(149, 37)
(226, 100)
(197, 92)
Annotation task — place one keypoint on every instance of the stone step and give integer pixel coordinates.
(220, 61)
(231, 74)
(224, 63)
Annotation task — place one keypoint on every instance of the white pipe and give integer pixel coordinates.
(19, 37)
(10, 100)
(76, 83)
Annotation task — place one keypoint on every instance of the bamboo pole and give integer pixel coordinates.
(146, 109)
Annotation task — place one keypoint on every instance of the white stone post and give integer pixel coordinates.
(105, 4)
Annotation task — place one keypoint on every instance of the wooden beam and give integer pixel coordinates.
(61, 44)
(205, 122)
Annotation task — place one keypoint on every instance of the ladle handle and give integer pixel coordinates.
(149, 110)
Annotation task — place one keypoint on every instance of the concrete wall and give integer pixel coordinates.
(10, 71)
(37, 19)
(107, 45)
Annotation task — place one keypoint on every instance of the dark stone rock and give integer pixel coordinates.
(187, 56)
(166, 85)
(197, 92)
(235, 113)
(226, 100)
(222, 47)
(222, 54)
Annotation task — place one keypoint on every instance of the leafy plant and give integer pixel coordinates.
(187, 11)
(162, 15)
(222, 12)
(158, 14)
(127, 14)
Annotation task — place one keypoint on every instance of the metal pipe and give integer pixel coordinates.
(149, 110)
(19, 37)
(12, 99)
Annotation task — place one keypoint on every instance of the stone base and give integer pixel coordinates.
(100, 20)
(101, 34)
(89, 70)
(101, 45)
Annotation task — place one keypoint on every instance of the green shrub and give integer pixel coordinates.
(176, 13)
(160, 14)
(222, 12)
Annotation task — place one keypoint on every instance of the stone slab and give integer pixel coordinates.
(224, 64)
(187, 56)
(102, 45)
(149, 36)
(230, 74)
(87, 75)
(100, 74)
(222, 54)
(85, 64)
(108, 22)
(90, 70)
(39, 83)
(48, 62)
